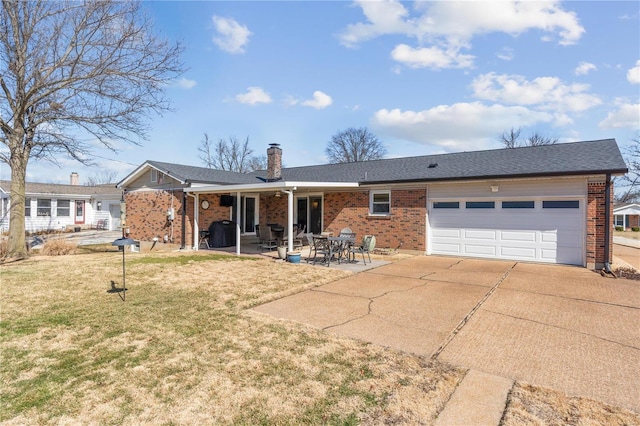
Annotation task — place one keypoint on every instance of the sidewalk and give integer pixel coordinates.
(629, 242)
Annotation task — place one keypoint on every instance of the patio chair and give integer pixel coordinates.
(364, 248)
(297, 240)
(321, 246)
(346, 231)
(268, 239)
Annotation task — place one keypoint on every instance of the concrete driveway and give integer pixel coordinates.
(562, 327)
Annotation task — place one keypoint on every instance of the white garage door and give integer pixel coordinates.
(538, 230)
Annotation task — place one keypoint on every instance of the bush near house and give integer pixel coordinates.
(635, 229)
(619, 228)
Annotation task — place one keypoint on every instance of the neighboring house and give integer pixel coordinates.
(542, 204)
(57, 207)
(627, 216)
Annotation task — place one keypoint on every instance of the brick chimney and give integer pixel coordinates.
(75, 178)
(274, 162)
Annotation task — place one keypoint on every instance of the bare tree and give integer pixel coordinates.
(102, 178)
(511, 139)
(629, 184)
(69, 70)
(353, 145)
(230, 154)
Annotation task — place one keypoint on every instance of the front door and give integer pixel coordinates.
(309, 213)
(79, 212)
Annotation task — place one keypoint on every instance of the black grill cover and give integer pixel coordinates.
(222, 234)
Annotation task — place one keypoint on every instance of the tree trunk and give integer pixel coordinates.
(16, 247)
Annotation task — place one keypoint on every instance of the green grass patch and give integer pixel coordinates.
(183, 260)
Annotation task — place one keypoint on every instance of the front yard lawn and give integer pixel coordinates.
(184, 349)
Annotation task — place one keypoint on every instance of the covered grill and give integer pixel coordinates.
(222, 233)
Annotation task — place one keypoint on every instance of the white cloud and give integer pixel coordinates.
(185, 83)
(584, 68)
(448, 26)
(506, 54)
(431, 57)
(461, 126)
(633, 75)
(253, 96)
(320, 100)
(231, 36)
(545, 92)
(626, 116)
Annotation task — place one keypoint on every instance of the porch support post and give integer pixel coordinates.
(196, 220)
(289, 219)
(238, 219)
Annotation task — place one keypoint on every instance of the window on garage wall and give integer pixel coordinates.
(480, 204)
(64, 208)
(27, 207)
(561, 204)
(446, 205)
(518, 204)
(380, 202)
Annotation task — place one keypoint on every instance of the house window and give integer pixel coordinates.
(27, 207)
(380, 202)
(64, 208)
(481, 204)
(446, 205)
(517, 204)
(154, 176)
(619, 220)
(561, 204)
(44, 207)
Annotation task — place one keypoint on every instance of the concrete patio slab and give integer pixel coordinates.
(371, 285)
(317, 308)
(480, 399)
(561, 327)
(574, 283)
(572, 362)
(418, 327)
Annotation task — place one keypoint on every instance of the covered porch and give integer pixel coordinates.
(248, 206)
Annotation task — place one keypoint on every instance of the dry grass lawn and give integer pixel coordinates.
(627, 234)
(184, 349)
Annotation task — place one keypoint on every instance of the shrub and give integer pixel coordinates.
(635, 229)
(58, 248)
(3, 248)
(619, 228)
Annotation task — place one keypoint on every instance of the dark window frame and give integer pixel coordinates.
(446, 204)
(480, 205)
(561, 204)
(519, 204)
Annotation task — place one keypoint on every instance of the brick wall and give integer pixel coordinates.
(147, 215)
(634, 221)
(596, 224)
(273, 209)
(214, 213)
(405, 227)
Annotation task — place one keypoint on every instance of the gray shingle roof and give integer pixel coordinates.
(60, 189)
(202, 174)
(576, 158)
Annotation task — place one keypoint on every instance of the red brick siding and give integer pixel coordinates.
(147, 215)
(214, 213)
(405, 226)
(273, 209)
(596, 224)
(634, 221)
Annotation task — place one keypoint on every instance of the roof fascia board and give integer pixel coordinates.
(618, 172)
(269, 186)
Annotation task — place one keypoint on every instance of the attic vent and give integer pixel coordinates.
(433, 165)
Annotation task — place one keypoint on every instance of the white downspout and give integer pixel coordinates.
(289, 218)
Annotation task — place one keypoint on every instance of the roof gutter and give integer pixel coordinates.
(617, 172)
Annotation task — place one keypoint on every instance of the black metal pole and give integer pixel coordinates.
(607, 219)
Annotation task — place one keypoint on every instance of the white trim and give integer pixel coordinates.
(269, 186)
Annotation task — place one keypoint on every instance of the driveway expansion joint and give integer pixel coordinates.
(466, 319)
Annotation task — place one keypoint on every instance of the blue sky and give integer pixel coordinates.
(425, 77)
